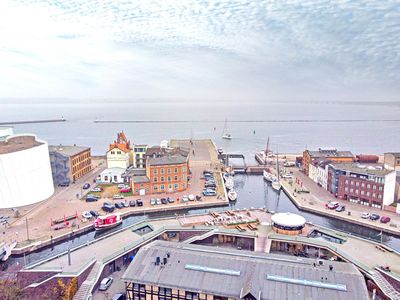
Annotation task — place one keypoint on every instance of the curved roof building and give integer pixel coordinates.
(25, 171)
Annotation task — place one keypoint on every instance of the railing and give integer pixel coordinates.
(322, 244)
(81, 269)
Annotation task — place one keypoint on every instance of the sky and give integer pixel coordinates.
(200, 50)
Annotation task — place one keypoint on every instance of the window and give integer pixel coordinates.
(176, 178)
(162, 179)
(363, 184)
(368, 186)
(176, 170)
(183, 169)
(162, 171)
(169, 170)
(175, 186)
(380, 188)
(374, 187)
(164, 293)
(357, 183)
(155, 179)
(183, 185)
(118, 152)
(169, 178)
(155, 188)
(162, 187)
(155, 172)
(346, 181)
(191, 295)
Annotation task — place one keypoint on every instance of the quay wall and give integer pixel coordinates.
(301, 206)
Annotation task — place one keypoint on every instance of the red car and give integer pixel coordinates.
(125, 190)
(385, 219)
(332, 205)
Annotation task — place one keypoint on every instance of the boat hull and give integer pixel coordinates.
(107, 226)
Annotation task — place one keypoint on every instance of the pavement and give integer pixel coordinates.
(318, 197)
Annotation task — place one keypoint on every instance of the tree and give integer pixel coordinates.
(10, 290)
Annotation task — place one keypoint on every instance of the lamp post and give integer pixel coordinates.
(27, 229)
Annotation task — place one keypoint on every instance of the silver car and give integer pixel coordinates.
(105, 283)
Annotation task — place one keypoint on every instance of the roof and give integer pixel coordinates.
(68, 150)
(135, 172)
(367, 169)
(121, 143)
(175, 159)
(115, 171)
(330, 153)
(14, 143)
(140, 179)
(396, 154)
(234, 273)
(288, 219)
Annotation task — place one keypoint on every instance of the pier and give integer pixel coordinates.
(33, 122)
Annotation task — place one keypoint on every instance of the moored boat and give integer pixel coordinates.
(268, 176)
(232, 195)
(5, 250)
(107, 221)
(276, 185)
(229, 183)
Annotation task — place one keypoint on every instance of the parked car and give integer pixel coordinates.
(340, 208)
(332, 205)
(125, 190)
(119, 296)
(164, 201)
(121, 185)
(374, 217)
(170, 200)
(209, 193)
(105, 283)
(96, 189)
(153, 201)
(139, 202)
(118, 196)
(125, 204)
(86, 186)
(207, 172)
(191, 197)
(87, 215)
(385, 219)
(93, 195)
(185, 198)
(132, 203)
(119, 205)
(365, 215)
(90, 198)
(287, 176)
(108, 207)
(158, 201)
(94, 213)
(63, 184)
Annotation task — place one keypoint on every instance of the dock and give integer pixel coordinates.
(33, 121)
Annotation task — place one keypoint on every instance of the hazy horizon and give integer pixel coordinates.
(188, 51)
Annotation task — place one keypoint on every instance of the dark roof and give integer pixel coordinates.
(135, 172)
(330, 153)
(68, 150)
(140, 179)
(16, 143)
(235, 273)
(174, 159)
(360, 168)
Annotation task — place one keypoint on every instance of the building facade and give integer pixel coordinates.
(69, 163)
(367, 185)
(120, 153)
(112, 175)
(326, 154)
(140, 160)
(392, 161)
(25, 172)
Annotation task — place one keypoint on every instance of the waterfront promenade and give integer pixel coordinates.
(315, 201)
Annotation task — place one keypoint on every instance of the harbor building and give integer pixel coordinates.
(112, 175)
(69, 163)
(168, 270)
(288, 223)
(327, 154)
(5, 132)
(392, 161)
(168, 171)
(120, 153)
(318, 172)
(370, 185)
(25, 172)
(140, 160)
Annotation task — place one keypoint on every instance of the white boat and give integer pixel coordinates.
(232, 195)
(268, 176)
(229, 184)
(225, 134)
(107, 221)
(276, 185)
(5, 250)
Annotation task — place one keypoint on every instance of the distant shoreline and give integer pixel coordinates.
(248, 121)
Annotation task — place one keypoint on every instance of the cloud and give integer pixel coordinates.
(256, 50)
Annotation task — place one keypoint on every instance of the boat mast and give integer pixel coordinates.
(266, 152)
(277, 166)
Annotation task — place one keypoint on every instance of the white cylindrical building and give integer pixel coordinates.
(288, 223)
(25, 171)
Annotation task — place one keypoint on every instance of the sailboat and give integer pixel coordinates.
(225, 134)
(276, 185)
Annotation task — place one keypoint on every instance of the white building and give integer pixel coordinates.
(25, 171)
(119, 158)
(112, 175)
(318, 172)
